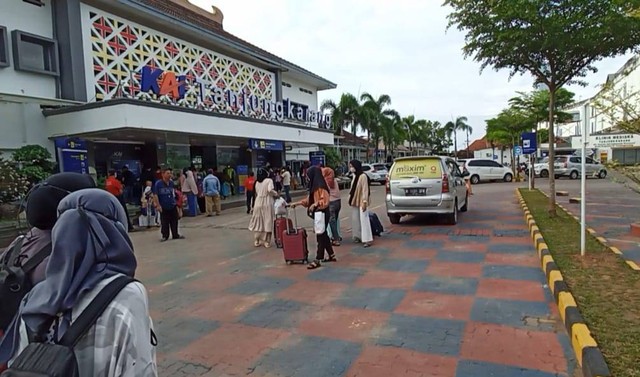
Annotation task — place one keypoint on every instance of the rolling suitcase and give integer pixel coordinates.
(376, 225)
(279, 228)
(294, 243)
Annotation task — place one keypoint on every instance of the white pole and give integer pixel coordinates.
(583, 185)
(530, 171)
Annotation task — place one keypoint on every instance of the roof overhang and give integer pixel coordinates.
(139, 115)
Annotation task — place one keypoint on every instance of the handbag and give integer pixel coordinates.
(280, 207)
(319, 225)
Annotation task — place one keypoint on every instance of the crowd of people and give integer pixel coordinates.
(323, 196)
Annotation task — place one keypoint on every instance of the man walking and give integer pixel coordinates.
(249, 185)
(286, 183)
(114, 186)
(128, 180)
(165, 202)
(211, 188)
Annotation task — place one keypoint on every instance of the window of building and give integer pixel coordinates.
(4, 47)
(303, 90)
(32, 53)
(286, 84)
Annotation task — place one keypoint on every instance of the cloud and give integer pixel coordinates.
(400, 48)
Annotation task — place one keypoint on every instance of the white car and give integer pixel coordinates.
(484, 170)
(377, 173)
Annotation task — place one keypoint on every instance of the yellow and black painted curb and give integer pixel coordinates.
(601, 240)
(584, 345)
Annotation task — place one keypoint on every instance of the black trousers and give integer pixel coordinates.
(169, 220)
(123, 203)
(251, 200)
(323, 240)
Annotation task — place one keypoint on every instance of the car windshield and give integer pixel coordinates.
(380, 167)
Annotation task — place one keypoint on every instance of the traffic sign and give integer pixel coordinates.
(529, 143)
(518, 150)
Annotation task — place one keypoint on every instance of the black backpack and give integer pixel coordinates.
(14, 280)
(59, 360)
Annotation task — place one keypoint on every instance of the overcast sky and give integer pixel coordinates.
(400, 48)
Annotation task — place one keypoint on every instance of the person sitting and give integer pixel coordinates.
(91, 248)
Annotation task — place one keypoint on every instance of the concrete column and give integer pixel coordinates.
(68, 32)
(278, 85)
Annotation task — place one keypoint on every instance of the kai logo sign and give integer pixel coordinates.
(163, 83)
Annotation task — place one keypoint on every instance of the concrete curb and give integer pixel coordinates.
(584, 345)
(601, 240)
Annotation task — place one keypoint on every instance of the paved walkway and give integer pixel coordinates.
(426, 300)
(611, 208)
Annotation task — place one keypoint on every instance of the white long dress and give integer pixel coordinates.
(263, 211)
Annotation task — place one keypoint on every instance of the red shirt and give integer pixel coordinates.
(113, 185)
(249, 183)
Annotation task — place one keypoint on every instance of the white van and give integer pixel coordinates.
(485, 170)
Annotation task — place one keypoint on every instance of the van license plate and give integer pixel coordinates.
(415, 192)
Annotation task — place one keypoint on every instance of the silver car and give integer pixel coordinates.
(571, 166)
(426, 185)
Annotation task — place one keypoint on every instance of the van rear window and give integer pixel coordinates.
(423, 169)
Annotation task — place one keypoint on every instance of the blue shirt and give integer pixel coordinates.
(211, 185)
(165, 193)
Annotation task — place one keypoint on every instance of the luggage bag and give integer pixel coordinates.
(376, 225)
(294, 243)
(280, 226)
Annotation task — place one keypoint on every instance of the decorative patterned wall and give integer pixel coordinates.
(120, 50)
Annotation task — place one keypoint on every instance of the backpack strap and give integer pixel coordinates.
(37, 258)
(92, 312)
(13, 254)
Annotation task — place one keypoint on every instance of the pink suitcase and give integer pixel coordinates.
(279, 228)
(294, 243)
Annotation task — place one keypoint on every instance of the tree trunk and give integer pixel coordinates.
(455, 144)
(552, 153)
(467, 154)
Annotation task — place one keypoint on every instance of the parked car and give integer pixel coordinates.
(541, 168)
(570, 166)
(484, 170)
(426, 185)
(377, 173)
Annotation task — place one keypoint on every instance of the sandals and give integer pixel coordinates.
(335, 243)
(313, 265)
(330, 258)
(366, 244)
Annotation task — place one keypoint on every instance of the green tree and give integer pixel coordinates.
(439, 140)
(332, 157)
(392, 133)
(620, 107)
(536, 105)
(344, 113)
(373, 111)
(506, 128)
(413, 129)
(452, 128)
(34, 162)
(13, 186)
(557, 42)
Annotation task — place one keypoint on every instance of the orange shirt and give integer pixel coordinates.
(320, 198)
(113, 185)
(249, 183)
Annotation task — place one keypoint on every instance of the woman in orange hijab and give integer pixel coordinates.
(335, 204)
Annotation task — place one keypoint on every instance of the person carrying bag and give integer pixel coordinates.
(317, 205)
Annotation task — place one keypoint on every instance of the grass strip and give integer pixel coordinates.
(606, 289)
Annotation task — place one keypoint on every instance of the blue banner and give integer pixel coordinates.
(529, 143)
(317, 158)
(72, 155)
(269, 145)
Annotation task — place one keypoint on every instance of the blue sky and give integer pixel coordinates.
(400, 48)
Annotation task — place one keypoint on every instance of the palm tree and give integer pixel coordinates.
(452, 128)
(414, 129)
(392, 132)
(343, 113)
(468, 130)
(375, 109)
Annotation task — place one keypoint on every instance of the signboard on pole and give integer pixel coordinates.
(317, 158)
(529, 143)
(517, 150)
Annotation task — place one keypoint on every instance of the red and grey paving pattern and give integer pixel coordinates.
(611, 208)
(425, 300)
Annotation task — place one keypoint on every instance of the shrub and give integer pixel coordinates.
(34, 162)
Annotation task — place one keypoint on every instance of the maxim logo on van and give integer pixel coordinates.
(411, 169)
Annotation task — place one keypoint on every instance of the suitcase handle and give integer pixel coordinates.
(295, 220)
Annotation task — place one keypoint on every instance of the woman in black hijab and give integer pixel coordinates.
(359, 202)
(318, 201)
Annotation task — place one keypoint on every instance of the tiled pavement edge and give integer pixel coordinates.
(587, 352)
(602, 240)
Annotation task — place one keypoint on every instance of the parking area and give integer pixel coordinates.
(611, 208)
(425, 300)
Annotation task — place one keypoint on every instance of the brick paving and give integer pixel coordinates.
(611, 208)
(425, 300)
